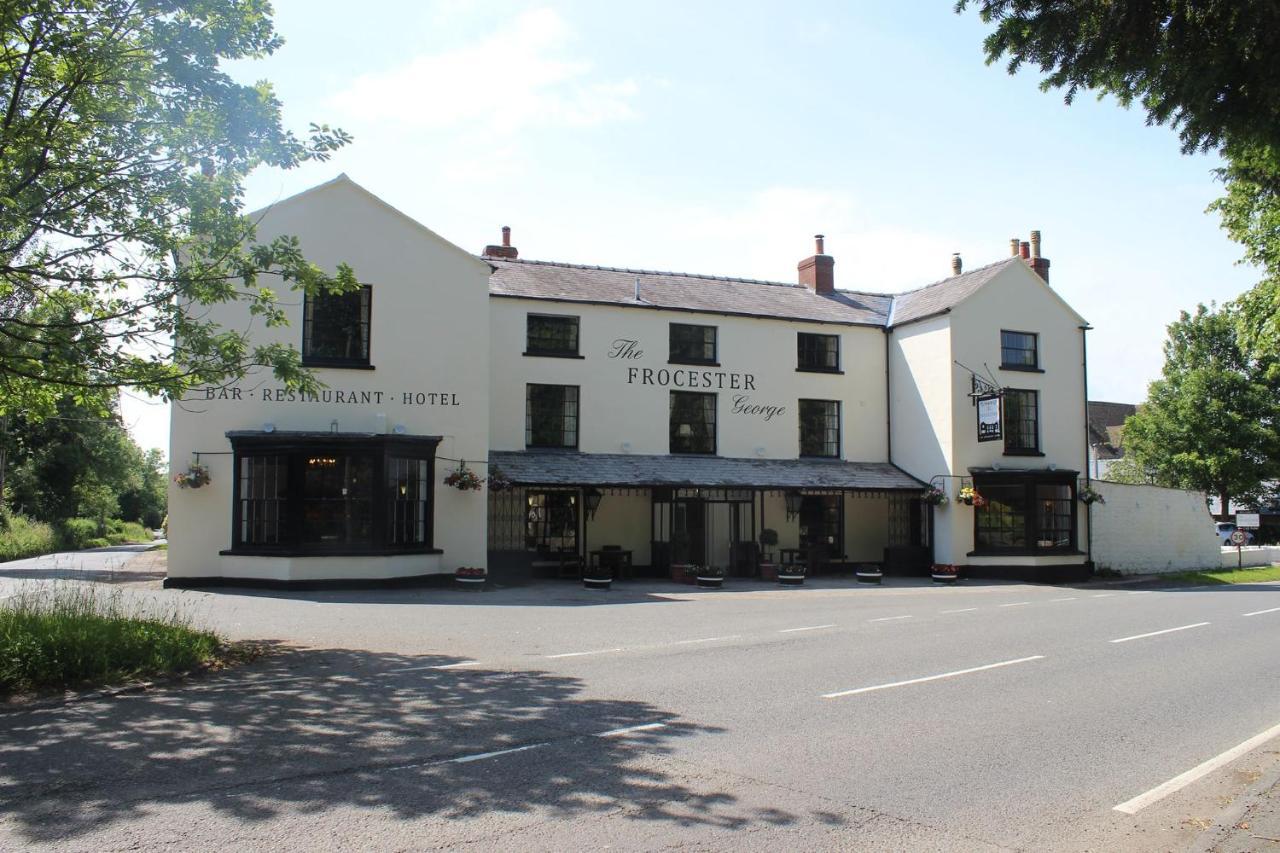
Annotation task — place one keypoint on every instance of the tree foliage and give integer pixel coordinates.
(1212, 421)
(123, 150)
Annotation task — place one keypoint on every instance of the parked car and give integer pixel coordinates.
(1226, 528)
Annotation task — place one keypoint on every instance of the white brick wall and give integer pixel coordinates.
(1147, 529)
(1258, 555)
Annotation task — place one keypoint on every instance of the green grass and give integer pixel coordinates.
(20, 537)
(71, 635)
(1225, 576)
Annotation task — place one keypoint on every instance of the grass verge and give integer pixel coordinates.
(72, 635)
(1259, 574)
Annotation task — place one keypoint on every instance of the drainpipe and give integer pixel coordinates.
(888, 400)
(1088, 508)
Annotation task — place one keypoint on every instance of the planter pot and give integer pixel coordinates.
(870, 577)
(680, 573)
(711, 583)
(597, 583)
(790, 580)
(471, 583)
(941, 578)
(768, 571)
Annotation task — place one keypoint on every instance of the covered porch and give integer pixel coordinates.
(642, 515)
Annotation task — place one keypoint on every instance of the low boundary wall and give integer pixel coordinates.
(1250, 555)
(1150, 529)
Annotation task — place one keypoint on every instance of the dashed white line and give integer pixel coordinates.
(458, 665)
(807, 628)
(961, 610)
(889, 618)
(466, 759)
(1015, 604)
(1142, 592)
(1177, 783)
(1260, 612)
(1104, 595)
(705, 640)
(931, 677)
(626, 730)
(1158, 633)
(1068, 598)
(581, 654)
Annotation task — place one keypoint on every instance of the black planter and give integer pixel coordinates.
(711, 583)
(790, 580)
(597, 583)
(948, 579)
(869, 577)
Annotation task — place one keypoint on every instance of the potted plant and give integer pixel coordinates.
(768, 568)
(597, 577)
(710, 576)
(1089, 495)
(471, 576)
(945, 572)
(498, 480)
(869, 573)
(969, 497)
(684, 572)
(463, 478)
(934, 496)
(194, 477)
(792, 575)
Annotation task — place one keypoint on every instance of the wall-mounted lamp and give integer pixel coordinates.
(793, 499)
(333, 426)
(592, 497)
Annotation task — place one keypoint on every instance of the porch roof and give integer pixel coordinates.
(572, 468)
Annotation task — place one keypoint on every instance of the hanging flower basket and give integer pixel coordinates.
(464, 479)
(194, 477)
(498, 480)
(969, 497)
(934, 496)
(1088, 495)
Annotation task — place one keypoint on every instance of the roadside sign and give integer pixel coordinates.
(1248, 519)
(989, 418)
(1237, 537)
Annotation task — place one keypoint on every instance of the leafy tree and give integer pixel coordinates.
(148, 500)
(1211, 422)
(123, 150)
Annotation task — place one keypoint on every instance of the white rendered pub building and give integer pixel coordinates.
(668, 417)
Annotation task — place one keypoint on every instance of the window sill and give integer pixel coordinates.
(1023, 453)
(535, 354)
(333, 363)
(249, 551)
(693, 362)
(692, 453)
(1022, 368)
(819, 456)
(1026, 552)
(551, 447)
(834, 371)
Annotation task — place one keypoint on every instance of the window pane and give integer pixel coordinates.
(818, 352)
(337, 499)
(1018, 349)
(693, 422)
(264, 486)
(1002, 520)
(408, 482)
(551, 521)
(551, 416)
(1055, 516)
(819, 428)
(552, 335)
(337, 326)
(693, 343)
(1021, 420)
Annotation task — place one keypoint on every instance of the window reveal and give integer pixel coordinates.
(550, 335)
(551, 416)
(1019, 350)
(335, 328)
(818, 352)
(820, 428)
(692, 344)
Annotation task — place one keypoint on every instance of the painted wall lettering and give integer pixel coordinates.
(625, 348)
(710, 380)
(742, 405)
(335, 396)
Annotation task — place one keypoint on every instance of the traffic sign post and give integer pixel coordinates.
(1237, 538)
(1248, 520)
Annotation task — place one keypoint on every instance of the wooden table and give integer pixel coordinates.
(790, 556)
(620, 561)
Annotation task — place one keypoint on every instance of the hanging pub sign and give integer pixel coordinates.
(989, 418)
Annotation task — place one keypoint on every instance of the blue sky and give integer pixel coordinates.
(718, 137)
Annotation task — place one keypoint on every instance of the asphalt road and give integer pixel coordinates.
(907, 717)
(106, 565)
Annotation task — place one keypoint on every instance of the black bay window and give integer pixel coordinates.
(693, 422)
(335, 328)
(820, 428)
(1021, 422)
(330, 493)
(551, 416)
(551, 335)
(692, 344)
(1025, 513)
(818, 353)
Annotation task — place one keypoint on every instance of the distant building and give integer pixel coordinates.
(1106, 424)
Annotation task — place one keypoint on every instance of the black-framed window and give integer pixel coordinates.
(551, 521)
(692, 344)
(820, 428)
(1021, 421)
(1025, 513)
(1019, 350)
(818, 352)
(335, 328)
(328, 493)
(693, 422)
(552, 335)
(551, 416)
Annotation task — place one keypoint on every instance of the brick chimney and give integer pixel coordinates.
(818, 272)
(1039, 264)
(506, 250)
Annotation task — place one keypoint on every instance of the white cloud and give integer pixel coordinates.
(522, 75)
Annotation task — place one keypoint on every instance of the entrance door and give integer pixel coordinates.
(689, 532)
(822, 530)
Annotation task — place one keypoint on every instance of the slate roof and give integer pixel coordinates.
(684, 291)
(743, 296)
(1106, 423)
(571, 468)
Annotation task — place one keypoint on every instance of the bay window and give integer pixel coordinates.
(1025, 513)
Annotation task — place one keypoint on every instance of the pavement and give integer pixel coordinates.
(988, 716)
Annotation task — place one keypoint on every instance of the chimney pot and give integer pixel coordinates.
(506, 235)
(1013, 247)
(956, 264)
(818, 240)
(1035, 244)
(1025, 250)
(506, 250)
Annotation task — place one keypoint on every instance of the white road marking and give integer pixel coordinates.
(482, 755)
(889, 618)
(1068, 598)
(1015, 604)
(961, 610)
(580, 654)
(809, 628)
(1177, 783)
(1158, 633)
(1260, 612)
(705, 640)
(1104, 595)
(931, 677)
(457, 665)
(1142, 592)
(645, 727)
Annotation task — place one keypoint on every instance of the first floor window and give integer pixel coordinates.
(1025, 513)
(551, 416)
(1019, 350)
(820, 428)
(335, 328)
(303, 493)
(1021, 421)
(692, 344)
(693, 422)
(551, 335)
(818, 352)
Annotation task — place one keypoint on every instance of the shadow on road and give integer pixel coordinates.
(306, 731)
